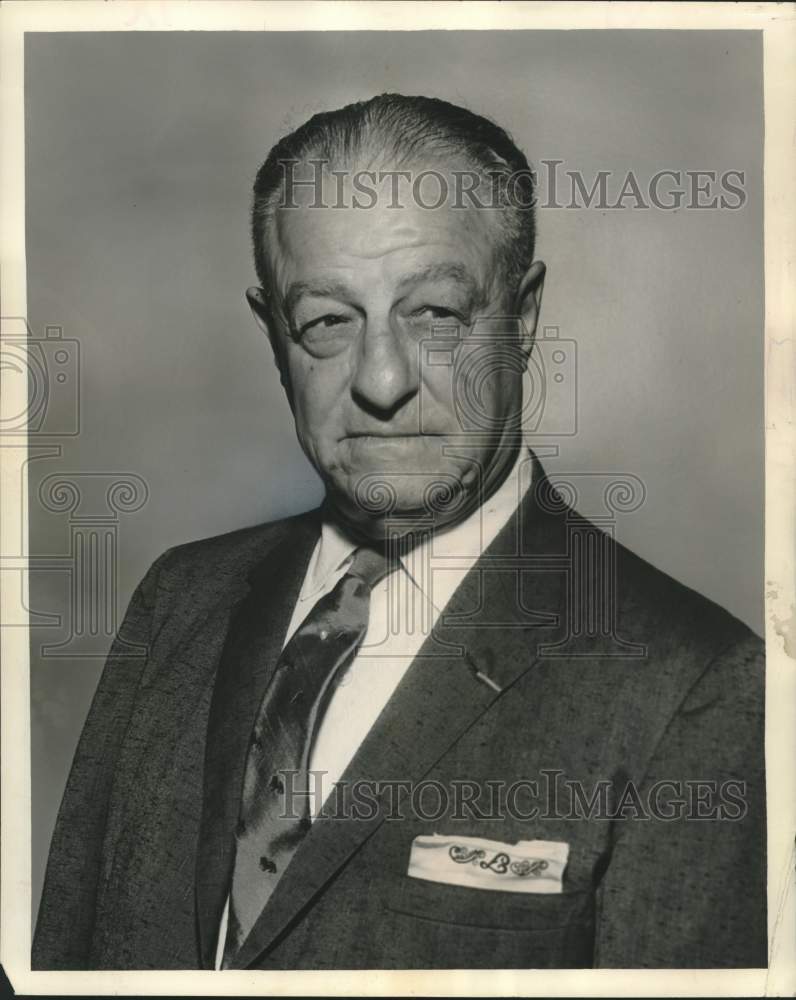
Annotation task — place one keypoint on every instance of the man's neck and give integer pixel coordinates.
(504, 490)
(413, 528)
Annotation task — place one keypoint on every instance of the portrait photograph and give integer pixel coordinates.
(398, 499)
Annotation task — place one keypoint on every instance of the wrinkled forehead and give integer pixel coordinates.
(390, 218)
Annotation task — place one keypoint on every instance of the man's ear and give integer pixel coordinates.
(256, 298)
(529, 303)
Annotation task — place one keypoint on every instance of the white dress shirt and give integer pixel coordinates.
(404, 608)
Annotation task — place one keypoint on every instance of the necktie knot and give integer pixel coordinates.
(370, 565)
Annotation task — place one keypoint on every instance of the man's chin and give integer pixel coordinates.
(381, 505)
(385, 484)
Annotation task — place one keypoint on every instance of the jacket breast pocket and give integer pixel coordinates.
(449, 926)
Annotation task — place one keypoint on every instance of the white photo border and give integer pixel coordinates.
(777, 22)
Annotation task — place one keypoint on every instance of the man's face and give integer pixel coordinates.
(357, 299)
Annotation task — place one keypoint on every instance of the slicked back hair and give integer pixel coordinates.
(398, 129)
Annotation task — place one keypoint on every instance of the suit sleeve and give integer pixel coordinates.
(66, 913)
(687, 887)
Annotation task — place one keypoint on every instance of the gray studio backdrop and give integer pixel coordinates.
(141, 151)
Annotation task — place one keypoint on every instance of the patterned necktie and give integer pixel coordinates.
(267, 835)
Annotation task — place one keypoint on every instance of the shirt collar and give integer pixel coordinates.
(465, 541)
(468, 539)
(332, 552)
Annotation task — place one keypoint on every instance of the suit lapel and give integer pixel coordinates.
(484, 641)
(253, 645)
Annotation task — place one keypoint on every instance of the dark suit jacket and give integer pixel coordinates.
(613, 673)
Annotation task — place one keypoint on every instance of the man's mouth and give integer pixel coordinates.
(388, 435)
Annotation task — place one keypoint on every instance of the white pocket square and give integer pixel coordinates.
(527, 866)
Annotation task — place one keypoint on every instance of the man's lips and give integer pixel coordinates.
(385, 435)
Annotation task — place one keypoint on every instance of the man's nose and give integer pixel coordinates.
(386, 374)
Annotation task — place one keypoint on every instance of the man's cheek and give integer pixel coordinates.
(314, 410)
(438, 399)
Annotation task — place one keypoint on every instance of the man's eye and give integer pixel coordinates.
(327, 322)
(437, 312)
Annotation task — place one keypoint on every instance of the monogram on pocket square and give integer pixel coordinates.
(527, 866)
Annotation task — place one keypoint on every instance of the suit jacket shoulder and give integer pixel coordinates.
(235, 553)
(198, 574)
(649, 594)
(684, 632)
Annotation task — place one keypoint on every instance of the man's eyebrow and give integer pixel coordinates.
(457, 273)
(339, 289)
(321, 288)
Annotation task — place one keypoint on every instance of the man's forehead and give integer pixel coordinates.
(444, 243)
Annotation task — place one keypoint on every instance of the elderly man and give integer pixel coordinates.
(444, 721)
